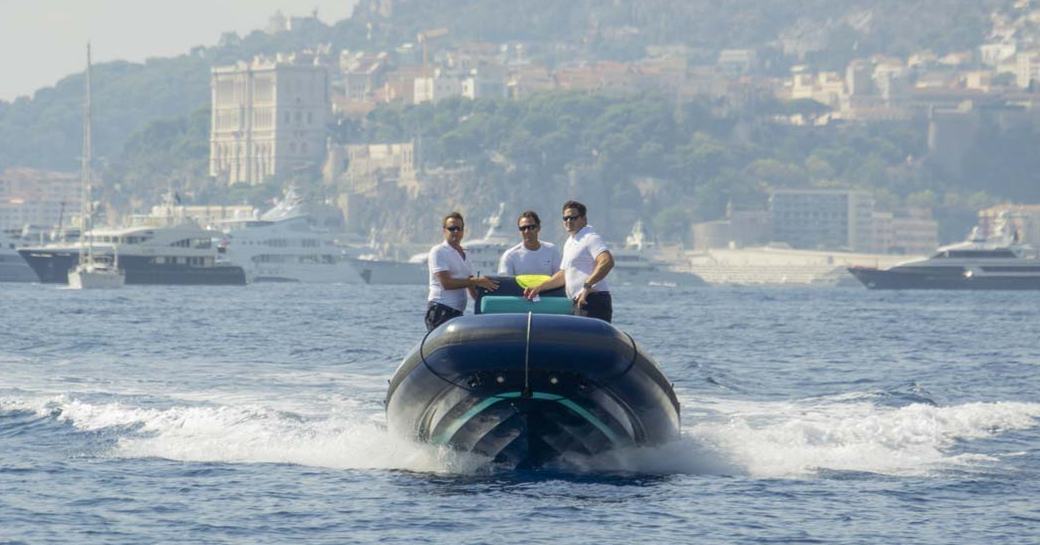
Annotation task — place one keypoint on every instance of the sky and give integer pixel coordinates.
(42, 41)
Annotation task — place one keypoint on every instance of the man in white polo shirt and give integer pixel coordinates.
(586, 262)
(531, 256)
(450, 275)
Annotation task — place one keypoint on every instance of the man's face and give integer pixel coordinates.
(528, 230)
(453, 231)
(573, 221)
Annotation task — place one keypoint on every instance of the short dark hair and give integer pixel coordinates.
(453, 215)
(531, 214)
(576, 205)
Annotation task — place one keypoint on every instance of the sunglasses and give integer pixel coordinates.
(571, 218)
(454, 229)
(528, 227)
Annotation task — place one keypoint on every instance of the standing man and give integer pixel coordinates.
(586, 262)
(531, 256)
(450, 275)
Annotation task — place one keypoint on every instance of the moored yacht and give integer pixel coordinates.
(635, 264)
(287, 244)
(161, 248)
(483, 256)
(997, 262)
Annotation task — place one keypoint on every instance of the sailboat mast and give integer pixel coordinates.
(86, 175)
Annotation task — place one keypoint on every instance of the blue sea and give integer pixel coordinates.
(255, 415)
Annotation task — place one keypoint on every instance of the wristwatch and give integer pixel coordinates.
(587, 286)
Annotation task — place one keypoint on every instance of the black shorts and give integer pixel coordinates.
(597, 305)
(437, 314)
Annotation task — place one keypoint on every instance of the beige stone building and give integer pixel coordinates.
(269, 118)
(363, 168)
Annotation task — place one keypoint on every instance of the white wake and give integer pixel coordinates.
(759, 439)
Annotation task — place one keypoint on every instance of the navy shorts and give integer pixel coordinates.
(437, 314)
(597, 305)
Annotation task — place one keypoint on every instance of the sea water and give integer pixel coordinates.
(255, 415)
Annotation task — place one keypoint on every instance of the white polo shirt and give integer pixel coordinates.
(445, 258)
(519, 260)
(579, 260)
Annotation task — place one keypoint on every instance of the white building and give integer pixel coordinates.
(823, 219)
(269, 118)
(1027, 68)
(484, 82)
(993, 54)
(437, 87)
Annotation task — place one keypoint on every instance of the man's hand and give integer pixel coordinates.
(532, 292)
(582, 295)
(486, 283)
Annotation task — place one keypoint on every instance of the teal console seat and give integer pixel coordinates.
(501, 304)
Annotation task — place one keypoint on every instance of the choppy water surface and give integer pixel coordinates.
(254, 415)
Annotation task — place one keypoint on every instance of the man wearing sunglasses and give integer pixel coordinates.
(450, 275)
(586, 262)
(531, 256)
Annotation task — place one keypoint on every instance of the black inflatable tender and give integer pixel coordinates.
(525, 389)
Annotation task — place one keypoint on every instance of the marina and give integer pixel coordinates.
(250, 283)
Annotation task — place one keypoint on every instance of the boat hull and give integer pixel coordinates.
(578, 387)
(95, 280)
(14, 269)
(391, 272)
(53, 266)
(878, 279)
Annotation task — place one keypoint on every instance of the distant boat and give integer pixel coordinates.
(97, 274)
(636, 265)
(92, 271)
(284, 245)
(997, 262)
(482, 254)
(160, 248)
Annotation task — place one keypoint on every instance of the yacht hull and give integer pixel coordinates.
(14, 269)
(941, 280)
(53, 266)
(658, 278)
(577, 387)
(391, 272)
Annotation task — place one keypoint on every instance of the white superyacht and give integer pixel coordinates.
(287, 244)
(638, 265)
(483, 255)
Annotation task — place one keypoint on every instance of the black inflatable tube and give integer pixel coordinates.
(524, 390)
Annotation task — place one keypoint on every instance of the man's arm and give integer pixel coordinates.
(557, 280)
(449, 283)
(604, 263)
